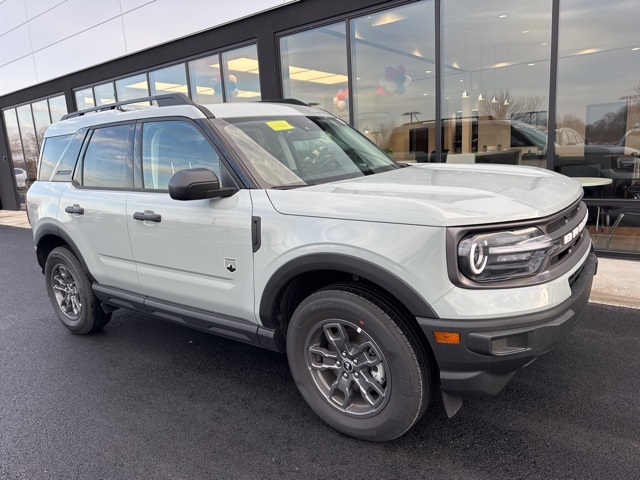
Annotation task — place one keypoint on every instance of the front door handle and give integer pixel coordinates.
(147, 215)
(75, 209)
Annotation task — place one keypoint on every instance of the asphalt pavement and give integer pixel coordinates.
(145, 399)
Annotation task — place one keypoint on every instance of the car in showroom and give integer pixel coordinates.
(279, 225)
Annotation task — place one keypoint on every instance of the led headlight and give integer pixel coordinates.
(504, 255)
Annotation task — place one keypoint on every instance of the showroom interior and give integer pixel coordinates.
(546, 83)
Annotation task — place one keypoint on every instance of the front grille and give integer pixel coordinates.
(567, 231)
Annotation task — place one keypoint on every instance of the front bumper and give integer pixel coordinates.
(491, 351)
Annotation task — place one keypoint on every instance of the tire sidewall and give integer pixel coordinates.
(404, 403)
(61, 256)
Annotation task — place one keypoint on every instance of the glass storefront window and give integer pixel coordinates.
(41, 118)
(204, 75)
(104, 94)
(57, 107)
(169, 80)
(314, 68)
(393, 60)
(13, 135)
(598, 117)
(29, 141)
(133, 87)
(496, 81)
(84, 99)
(242, 76)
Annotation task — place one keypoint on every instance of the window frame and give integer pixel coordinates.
(78, 174)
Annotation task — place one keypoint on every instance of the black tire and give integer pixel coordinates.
(71, 295)
(347, 388)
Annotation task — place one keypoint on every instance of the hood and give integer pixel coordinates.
(436, 195)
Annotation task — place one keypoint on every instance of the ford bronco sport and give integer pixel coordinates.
(281, 226)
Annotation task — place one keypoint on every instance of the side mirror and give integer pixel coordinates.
(197, 184)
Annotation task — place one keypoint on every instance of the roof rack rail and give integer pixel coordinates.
(291, 101)
(165, 100)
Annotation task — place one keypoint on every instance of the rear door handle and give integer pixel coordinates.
(75, 209)
(147, 215)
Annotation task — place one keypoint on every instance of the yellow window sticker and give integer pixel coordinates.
(278, 125)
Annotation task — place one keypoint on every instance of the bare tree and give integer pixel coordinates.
(572, 121)
(382, 136)
(506, 106)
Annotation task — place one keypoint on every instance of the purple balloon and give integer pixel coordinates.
(390, 73)
(400, 70)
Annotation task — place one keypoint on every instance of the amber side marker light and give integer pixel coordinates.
(447, 337)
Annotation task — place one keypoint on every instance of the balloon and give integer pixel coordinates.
(231, 86)
(401, 90)
(335, 100)
(346, 91)
(342, 105)
(382, 82)
(400, 79)
(217, 87)
(233, 78)
(380, 91)
(341, 95)
(400, 70)
(391, 86)
(390, 73)
(234, 93)
(407, 80)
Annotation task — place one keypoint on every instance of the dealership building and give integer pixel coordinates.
(547, 83)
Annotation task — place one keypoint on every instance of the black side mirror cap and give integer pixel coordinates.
(197, 184)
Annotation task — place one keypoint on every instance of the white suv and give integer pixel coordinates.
(281, 226)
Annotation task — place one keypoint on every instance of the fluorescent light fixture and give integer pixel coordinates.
(247, 94)
(588, 51)
(171, 87)
(139, 86)
(387, 18)
(243, 65)
(501, 64)
(88, 100)
(316, 76)
(427, 71)
(204, 90)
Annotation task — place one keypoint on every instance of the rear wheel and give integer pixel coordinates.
(71, 295)
(359, 363)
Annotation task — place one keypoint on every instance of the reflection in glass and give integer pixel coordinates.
(393, 60)
(131, 88)
(169, 80)
(57, 107)
(314, 68)
(41, 118)
(105, 94)
(13, 135)
(84, 99)
(204, 75)
(496, 81)
(598, 117)
(29, 140)
(242, 76)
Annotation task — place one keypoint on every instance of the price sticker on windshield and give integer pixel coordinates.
(279, 125)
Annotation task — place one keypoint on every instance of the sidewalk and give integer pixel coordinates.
(617, 281)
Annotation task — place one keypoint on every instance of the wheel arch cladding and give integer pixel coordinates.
(50, 237)
(344, 264)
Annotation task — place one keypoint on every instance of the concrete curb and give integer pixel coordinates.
(617, 282)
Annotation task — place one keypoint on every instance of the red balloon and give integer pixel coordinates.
(341, 95)
(380, 91)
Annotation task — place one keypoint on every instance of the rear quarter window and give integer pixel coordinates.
(59, 157)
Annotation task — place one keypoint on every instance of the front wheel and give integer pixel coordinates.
(359, 363)
(70, 293)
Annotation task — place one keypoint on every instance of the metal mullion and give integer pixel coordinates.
(350, 74)
(223, 72)
(439, 78)
(553, 85)
(188, 77)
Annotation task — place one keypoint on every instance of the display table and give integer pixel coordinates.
(593, 181)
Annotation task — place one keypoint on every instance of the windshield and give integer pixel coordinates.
(296, 150)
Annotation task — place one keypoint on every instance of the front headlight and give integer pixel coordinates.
(489, 257)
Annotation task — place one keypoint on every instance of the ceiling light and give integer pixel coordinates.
(170, 87)
(506, 102)
(243, 65)
(480, 98)
(635, 49)
(494, 99)
(247, 94)
(465, 94)
(588, 50)
(387, 18)
(425, 94)
(316, 76)
(140, 85)
(461, 80)
(427, 71)
(525, 31)
(544, 43)
(502, 16)
(531, 64)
